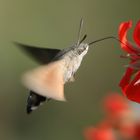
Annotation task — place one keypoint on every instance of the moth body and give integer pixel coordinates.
(72, 61)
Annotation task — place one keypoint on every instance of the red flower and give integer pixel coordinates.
(116, 108)
(115, 104)
(137, 131)
(130, 82)
(119, 122)
(99, 134)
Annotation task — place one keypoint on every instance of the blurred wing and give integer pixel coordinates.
(42, 55)
(47, 80)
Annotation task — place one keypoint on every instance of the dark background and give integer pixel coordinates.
(54, 24)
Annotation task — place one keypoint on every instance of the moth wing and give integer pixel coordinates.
(47, 80)
(42, 55)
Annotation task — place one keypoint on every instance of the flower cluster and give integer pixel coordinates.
(119, 122)
(130, 83)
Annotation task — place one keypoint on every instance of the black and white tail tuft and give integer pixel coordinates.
(34, 101)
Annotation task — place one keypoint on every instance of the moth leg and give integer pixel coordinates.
(72, 79)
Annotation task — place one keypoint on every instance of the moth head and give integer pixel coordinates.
(82, 49)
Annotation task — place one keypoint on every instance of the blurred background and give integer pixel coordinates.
(54, 24)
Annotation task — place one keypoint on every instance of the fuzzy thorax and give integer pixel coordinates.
(73, 61)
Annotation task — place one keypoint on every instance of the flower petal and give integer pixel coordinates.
(133, 90)
(114, 104)
(123, 29)
(136, 34)
(130, 89)
(126, 79)
(99, 134)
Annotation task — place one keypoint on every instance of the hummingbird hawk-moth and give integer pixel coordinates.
(57, 68)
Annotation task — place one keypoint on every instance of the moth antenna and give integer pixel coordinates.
(79, 32)
(84, 37)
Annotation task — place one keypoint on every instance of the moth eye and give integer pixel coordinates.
(81, 50)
